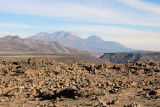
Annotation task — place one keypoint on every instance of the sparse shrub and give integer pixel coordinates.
(99, 94)
(5, 73)
(30, 81)
(18, 74)
(157, 97)
(64, 99)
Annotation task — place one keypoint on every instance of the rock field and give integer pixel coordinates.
(44, 83)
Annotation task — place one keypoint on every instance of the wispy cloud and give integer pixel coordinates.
(139, 4)
(101, 14)
(21, 34)
(53, 9)
(14, 25)
(81, 11)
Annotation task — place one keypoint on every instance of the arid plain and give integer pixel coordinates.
(43, 82)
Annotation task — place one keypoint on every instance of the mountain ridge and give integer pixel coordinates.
(92, 43)
(15, 43)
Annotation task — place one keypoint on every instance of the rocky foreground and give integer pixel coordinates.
(45, 83)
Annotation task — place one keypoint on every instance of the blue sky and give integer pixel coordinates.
(133, 23)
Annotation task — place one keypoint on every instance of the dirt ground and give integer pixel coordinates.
(36, 82)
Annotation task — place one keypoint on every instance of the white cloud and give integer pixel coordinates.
(14, 25)
(52, 9)
(138, 42)
(94, 11)
(20, 34)
(139, 4)
(78, 11)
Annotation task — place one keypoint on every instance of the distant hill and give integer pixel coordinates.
(67, 58)
(14, 43)
(13, 47)
(108, 46)
(92, 43)
(122, 57)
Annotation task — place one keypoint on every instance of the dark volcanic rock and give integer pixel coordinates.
(123, 57)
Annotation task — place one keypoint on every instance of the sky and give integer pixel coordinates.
(133, 23)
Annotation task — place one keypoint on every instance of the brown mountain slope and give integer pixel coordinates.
(17, 48)
(9, 43)
(122, 57)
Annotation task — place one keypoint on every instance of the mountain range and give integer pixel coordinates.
(92, 43)
(14, 43)
(15, 47)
